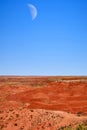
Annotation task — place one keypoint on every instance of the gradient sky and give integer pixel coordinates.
(55, 43)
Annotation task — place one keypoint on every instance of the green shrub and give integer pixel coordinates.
(79, 127)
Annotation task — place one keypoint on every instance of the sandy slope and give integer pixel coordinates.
(23, 118)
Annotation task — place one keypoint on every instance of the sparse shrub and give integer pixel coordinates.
(79, 127)
(32, 110)
(15, 124)
(17, 115)
(80, 113)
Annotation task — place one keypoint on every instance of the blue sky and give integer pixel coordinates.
(55, 43)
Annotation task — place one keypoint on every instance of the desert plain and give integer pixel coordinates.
(43, 102)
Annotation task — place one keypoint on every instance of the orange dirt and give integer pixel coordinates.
(50, 94)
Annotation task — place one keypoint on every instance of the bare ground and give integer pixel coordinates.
(42, 103)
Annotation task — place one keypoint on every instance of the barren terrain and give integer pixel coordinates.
(42, 103)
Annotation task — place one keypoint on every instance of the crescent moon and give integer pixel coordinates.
(33, 11)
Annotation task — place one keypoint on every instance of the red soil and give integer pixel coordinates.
(67, 94)
(70, 97)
